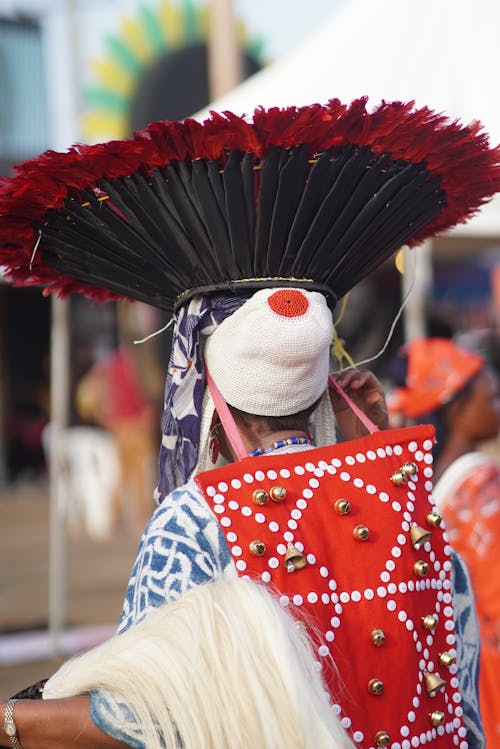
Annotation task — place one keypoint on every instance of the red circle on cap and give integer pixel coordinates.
(288, 303)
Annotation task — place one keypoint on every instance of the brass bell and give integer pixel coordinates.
(377, 637)
(398, 478)
(257, 548)
(375, 686)
(294, 559)
(277, 493)
(361, 532)
(419, 536)
(382, 738)
(434, 519)
(409, 468)
(421, 568)
(260, 497)
(342, 506)
(430, 622)
(446, 659)
(437, 717)
(433, 683)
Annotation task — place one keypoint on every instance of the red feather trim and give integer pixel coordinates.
(468, 169)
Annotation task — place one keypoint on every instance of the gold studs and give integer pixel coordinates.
(421, 568)
(382, 738)
(342, 506)
(419, 536)
(377, 637)
(361, 532)
(398, 478)
(294, 559)
(257, 548)
(447, 659)
(434, 519)
(433, 683)
(277, 493)
(437, 717)
(429, 622)
(410, 469)
(260, 497)
(375, 686)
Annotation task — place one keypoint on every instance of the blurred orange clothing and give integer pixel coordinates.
(468, 494)
(111, 395)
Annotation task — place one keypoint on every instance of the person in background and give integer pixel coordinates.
(454, 389)
(110, 395)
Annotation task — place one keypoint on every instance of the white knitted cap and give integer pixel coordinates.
(271, 356)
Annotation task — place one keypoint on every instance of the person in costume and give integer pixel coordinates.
(250, 231)
(454, 389)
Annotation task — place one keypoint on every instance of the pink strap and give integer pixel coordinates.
(226, 418)
(359, 413)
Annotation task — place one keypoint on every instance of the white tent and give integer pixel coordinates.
(440, 53)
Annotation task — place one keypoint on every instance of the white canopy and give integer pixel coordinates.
(440, 53)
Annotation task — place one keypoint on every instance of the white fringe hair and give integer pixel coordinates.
(224, 667)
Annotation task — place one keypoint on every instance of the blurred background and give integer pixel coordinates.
(75, 70)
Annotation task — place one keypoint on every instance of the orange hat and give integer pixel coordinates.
(437, 370)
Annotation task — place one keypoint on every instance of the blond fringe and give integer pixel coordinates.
(225, 667)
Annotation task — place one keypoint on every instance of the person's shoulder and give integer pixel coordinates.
(186, 500)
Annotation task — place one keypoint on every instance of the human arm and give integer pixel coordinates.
(367, 393)
(52, 724)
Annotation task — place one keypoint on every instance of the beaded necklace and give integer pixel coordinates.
(281, 443)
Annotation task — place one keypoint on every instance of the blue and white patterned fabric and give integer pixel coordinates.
(468, 648)
(183, 546)
(185, 386)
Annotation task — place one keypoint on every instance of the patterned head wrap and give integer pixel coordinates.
(185, 388)
(437, 370)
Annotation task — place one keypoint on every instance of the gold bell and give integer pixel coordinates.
(257, 548)
(342, 506)
(447, 659)
(430, 622)
(382, 738)
(433, 683)
(409, 468)
(398, 478)
(419, 536)
(375, 686)
(421, 568)
(361, 532)
(377, 637)
(437, 717)
(434, 519)
(260, 497)
(277, 493)
(294, 559)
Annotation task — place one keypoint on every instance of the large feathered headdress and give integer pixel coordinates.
(314, 196)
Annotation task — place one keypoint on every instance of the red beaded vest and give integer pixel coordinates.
(349, 537)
